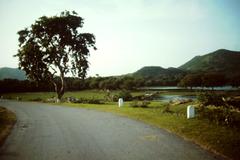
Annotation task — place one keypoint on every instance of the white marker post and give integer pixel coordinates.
(120, 102)
(190, 112)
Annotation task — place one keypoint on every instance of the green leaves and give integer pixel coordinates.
(54, 45)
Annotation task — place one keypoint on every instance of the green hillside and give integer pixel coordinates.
(224, 61)
(12, 73)
(156, 71)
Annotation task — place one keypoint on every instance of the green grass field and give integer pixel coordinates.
(45, 95)
(219, 139)
(87, 94)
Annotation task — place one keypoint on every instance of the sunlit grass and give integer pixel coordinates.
(86, 94)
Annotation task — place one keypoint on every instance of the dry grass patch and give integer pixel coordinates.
(7, 120)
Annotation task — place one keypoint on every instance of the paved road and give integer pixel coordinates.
(45, 132)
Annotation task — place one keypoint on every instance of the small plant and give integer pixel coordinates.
(216, 109)
(89, 101)
(110, 97)
(36, 99)
(220, 115)
(126, 95)
(167, 109)
(211, 98)
(140, 104)
(95, 101)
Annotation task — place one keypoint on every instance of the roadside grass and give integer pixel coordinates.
(29, 96)
(216, 138)
(7, 120)
(85, 94)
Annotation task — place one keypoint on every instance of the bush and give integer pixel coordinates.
(167, 109)
(211, 98)
(234, 102)
(139, 104)
(221, 115)
(95, 101)
(126, 95)
(84, 100)
(217, 109)
(37, 99)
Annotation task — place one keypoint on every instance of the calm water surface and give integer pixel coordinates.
(223, 88)
(167, 98)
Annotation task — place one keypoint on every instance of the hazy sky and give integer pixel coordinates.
(131, 34)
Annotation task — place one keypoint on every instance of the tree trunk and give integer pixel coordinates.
(61, 91)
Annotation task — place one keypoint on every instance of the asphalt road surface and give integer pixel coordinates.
(45, 132)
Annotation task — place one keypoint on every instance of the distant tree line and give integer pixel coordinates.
(121, 82)
(209, 80)
(74, 84)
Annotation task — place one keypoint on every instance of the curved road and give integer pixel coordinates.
(45, 132)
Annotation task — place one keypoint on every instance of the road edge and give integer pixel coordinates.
(7, 119)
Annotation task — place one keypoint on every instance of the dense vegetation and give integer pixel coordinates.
(209, 80)
(220, 109)
(122, 82)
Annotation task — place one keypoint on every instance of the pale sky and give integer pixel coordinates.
(131, 34)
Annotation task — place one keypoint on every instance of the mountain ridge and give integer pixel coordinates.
(156, 71)
(222, 61)
(12, 73)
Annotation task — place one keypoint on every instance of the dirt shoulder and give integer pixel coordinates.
(7, 121)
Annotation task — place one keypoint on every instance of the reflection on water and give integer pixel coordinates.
(167, 98)
(224, 88)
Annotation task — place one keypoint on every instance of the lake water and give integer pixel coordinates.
(167, 98)
(223, 88)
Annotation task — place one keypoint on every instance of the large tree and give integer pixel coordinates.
(191, 80)
(54, 46)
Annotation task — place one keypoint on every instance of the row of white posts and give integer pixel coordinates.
(190, 109)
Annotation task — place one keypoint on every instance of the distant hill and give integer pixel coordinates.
(12, 73)
(222, 61)
(156, 71)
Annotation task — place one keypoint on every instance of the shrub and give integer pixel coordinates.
(85, 100)
(167, 109)
(126, 95)
(211, 98)
(36, 99)
(139, 104)
(110, 97)
(95, 101)
(235, 102)
(221, 115)
(218, 109)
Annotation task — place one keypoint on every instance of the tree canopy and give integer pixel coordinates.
(54, 46)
